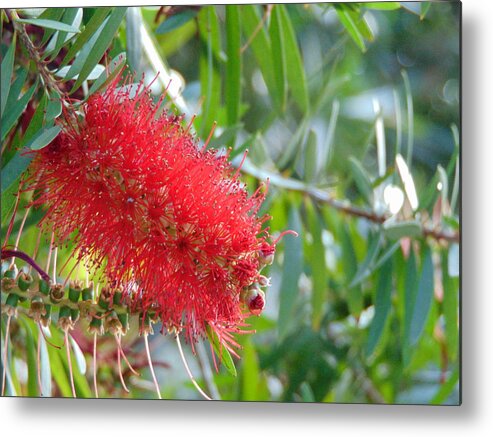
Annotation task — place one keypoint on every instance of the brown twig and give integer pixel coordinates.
(323, 196)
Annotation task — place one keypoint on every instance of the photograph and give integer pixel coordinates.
(232, 202)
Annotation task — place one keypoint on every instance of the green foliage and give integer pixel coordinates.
(364, 302)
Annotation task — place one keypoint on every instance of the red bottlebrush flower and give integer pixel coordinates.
(172, 225)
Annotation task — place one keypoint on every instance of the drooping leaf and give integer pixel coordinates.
(279, 56)
(232, 88)
(45, 368)
(100, 44)
(7, 69)
(362, 179)
(15, 111)
(424, 297)
(348, 22)
(14, 168)
(395, 230)
(450, 307)
(294, 65)
(79, 356)
(50, 24)
(44, 137)
(382, 305)
(72, 17)
(291, 271)
(260, 44)
(221, 351)
(311, 157)
(210, 78)
(134, 41)
(89, 30)
(317, 262)
(106, 77)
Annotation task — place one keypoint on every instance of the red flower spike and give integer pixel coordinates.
(173, 225)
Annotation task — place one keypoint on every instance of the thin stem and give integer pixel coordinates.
(55, 254)
(50, 249)
(119, 342)
(69, 360)
(48, 80)
(182, 355)
(12, 219)
(206, 370)
(94, 365)
(5, 354)
(38, 362)
(151, 367)
(36, 248)
(120, 370)
(18, 239)
(46, 339)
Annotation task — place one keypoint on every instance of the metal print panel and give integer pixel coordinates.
(236, 203)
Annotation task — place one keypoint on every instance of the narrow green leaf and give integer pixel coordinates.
(72, 17)
(306, 392)
(424, 297)
(350, 26)
(291, 271)
(317, 263)
(260, 44)
(36, 121)
(295, 70)
(396, 230)
(250, 374)
(16, 87)
(175, 21)
(89, 30)
(368, 264)
(382, 6)
(8, 199)
(278, 45)
(53, 14)
(7, 68)
(14, 168)
(53, 108)
(44, 137)
(210, 78)
(362, 25)
(79, 356)
(45, 367)
(15, 111)
(410, 291)
(107, 77)
(450, 307)
(221, 351)
(58, 371)
(226, 138)
(134, 42)
(311, 157)
(50, 24)
(446, 389)
(382, 304)
(425, 7)
(102, 42)
(350, 263)
(232, 87)
(362, 179)
(32, 368)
